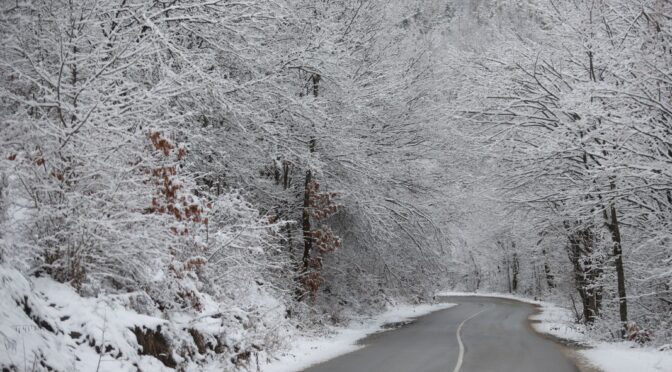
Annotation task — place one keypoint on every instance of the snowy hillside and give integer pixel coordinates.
(202, 184)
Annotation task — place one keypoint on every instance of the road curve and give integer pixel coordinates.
(481, 334)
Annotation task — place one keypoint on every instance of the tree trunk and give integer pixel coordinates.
(613, 225)
(307, 237)
(550, 280)
(477, 271)
(586, 272)
(515, 268)
(507, 265)
(306, 226)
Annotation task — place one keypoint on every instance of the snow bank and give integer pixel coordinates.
(625, 357)
(559, 322)
(608, 357)
(552, 319)
(307, 351)
(488, 294)
(47, 326)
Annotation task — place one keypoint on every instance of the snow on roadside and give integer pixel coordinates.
(607, 356)
(307, 351)
(625, 357)
(552, 319)
(45, 325)
(488, 294)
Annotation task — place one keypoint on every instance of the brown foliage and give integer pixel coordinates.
(195, 263)
(322, 206)
(324, 240)
(181, 153)
(58, 175)
(160, 143)
(168, 201)
(183, 207)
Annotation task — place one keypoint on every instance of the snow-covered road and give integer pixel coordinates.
(480, 334)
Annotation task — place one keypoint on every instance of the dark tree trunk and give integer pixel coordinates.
(316, 84)
(613, 225)
(477, 271)
(550, 280)
(305, 218)
(515, 268)
(586, 272)
(307, 237)
(507, 266)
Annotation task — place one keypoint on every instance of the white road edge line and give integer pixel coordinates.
(459, 341)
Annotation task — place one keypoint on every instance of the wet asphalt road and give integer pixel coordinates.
(496, 337)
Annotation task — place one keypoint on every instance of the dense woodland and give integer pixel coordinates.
(281, 165)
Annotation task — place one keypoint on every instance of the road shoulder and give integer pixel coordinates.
(557, 324)
(306, 351)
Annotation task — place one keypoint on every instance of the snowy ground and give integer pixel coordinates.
(42, 321)
(608, 357)
(44, 324)
(307, 351)
(47, 326)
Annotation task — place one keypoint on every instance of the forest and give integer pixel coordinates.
(207, 178)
